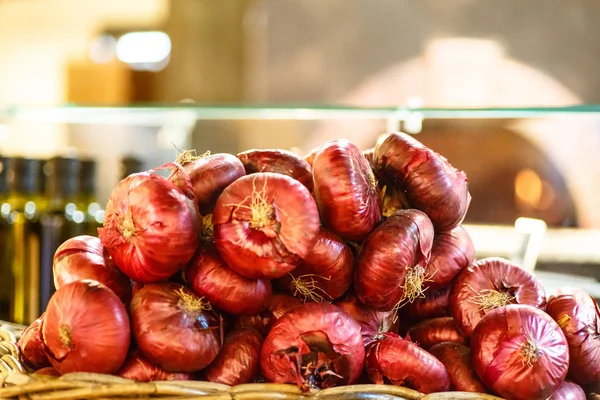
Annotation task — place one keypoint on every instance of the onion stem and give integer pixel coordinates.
(306, 286)
(207, 229)
(489, 299)
(187, 156)
(530, 352)
(192, 303)
(563, 321)
(65, 336)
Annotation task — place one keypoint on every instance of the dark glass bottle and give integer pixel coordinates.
(6, 275)
(62, 219)
(94, 215)
(21, 211)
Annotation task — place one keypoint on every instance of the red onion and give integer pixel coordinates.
(210, 175)
(370, 156)
(491, 283)
(150, 228)
(457, 360)
(400, 362)
(431, 332)
(346, 190)
(520, 353)
(139, 369)
(31, 346)
(86, 329)
(324, 274)
(390, 268)
(435, 304)
(174, 328)
(262, 322)
(47, 371)
(372, 322)
(264, 224)
(568, 391)
(431, 184)
(237, 363)
(452, 252)
(578, 316)
(315, 344)
(278, 161)
(84, 257)
(225, 289)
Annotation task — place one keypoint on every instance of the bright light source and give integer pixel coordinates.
(143, 47)
(102, 49)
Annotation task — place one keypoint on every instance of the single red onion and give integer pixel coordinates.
(210, 175)
(452, 252)
(174, 328)
(456, 358)
(86, 329)
(313, 345)
(277, 161)
(151, 227)
(568, 391)
(400, 362)
(262, 322)
(372, 322)
(84, 257)
(137, 368)
(578, 315)
(435, 304)
(346, 190)
(488, 284)
(438, 330)
(324, 274)
(390, 269)
(225, 289)
(237, 362)
(265, 224)
(520, 352)
(31, 346)
(430, 183)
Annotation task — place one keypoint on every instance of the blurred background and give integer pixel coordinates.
(433, 54)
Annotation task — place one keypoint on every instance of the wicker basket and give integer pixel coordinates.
(16, 383)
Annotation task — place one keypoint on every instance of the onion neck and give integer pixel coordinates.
(65, 336)
(208, 229)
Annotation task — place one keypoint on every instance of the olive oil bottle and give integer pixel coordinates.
(93, 212)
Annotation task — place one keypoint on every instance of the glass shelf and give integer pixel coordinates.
(158, 114)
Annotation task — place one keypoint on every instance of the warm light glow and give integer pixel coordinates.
(528, 188)
(143, 47)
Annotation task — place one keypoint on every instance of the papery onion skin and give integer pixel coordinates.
(84, 257)
(346, 190)
(403, 241)
(431, 184)
(210, 175)
(568, 391)
(262, 322)
(402, 363)
(435, 304)
(324, 274)
(438, 330)
(277, 161)
(174, 328)
(266, 239)
(456, 358)
(393, 200)
(372, 322)
(151, 227)
(224, 288)
(500, 345)
(370, 156)
(237, 362)
(491, 274)
(31, 345)
(137, 368)
(452, 252)
(47, 371)
(327, 329)
(578, 315)
(86, 329)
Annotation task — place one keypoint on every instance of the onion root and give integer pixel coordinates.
(530, 352)
(489, 299)
(192, 303)
(306, 286)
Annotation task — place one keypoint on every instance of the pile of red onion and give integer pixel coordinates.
(341, 266)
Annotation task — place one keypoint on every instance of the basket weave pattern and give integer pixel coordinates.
(17, 383)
